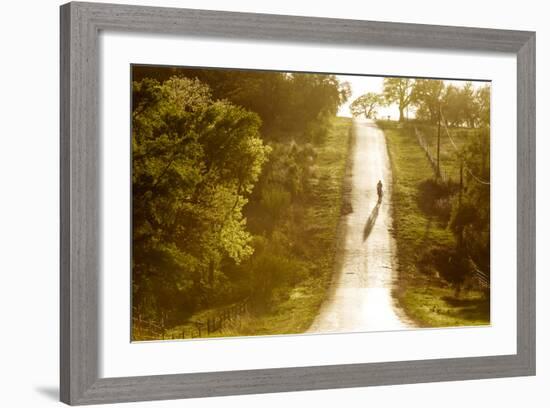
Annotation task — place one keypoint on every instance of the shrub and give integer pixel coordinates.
(451, 264)
(271, 271)
(275, 200)
(435, 197)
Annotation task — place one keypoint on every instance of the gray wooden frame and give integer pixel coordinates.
(80, 233)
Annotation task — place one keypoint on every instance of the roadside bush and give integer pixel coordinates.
(275, 200)
(317, 131)
(435, 198)
(269, 272)
(451, 264)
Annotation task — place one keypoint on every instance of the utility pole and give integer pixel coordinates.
(438, 137)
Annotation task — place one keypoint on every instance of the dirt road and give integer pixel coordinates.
(361, 293)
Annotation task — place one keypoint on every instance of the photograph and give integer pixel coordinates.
(282, 203)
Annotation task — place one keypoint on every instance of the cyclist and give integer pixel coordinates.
(379, 190)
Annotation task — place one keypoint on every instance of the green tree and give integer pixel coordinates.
(311, 100)
(470, 218)
(482, 99)
(195, 161)
(459, 105)
(467, 104)
(290, 105)
(427, 95)
(452, 106)
(399, 91)
(367, 105)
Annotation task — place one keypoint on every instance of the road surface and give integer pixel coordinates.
(360, 297)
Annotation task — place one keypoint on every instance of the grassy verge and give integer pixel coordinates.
(312, 231)
(291, 316)
(424, 296)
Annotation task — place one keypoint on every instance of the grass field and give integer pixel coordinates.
(426, 298)
(295, 309)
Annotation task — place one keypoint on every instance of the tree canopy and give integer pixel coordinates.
(367, 105)
(399, 91)
(288, 104)
(461, 106)
(219, 156)
(195, 160)
(426, 96)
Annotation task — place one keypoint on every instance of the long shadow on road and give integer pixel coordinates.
(371, 221)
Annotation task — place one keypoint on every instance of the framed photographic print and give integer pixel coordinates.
(261, 203)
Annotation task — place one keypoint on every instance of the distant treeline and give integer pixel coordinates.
(220, 159)
(461, 105)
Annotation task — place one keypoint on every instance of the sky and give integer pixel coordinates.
(360, 85)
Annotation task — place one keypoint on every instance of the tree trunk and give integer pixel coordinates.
(401, 116)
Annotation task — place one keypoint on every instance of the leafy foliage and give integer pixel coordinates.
(468, 211)
(222, 161)
(470, 219)
(366, 105)
(433, 285)
(461, 106)
(195, 161)
(399, 91)
(288, 103)
(426, 96)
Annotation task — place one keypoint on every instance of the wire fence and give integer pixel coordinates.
(481, 278)
(147, 329)
(465, 164)
(211, 322)
(432, 157)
